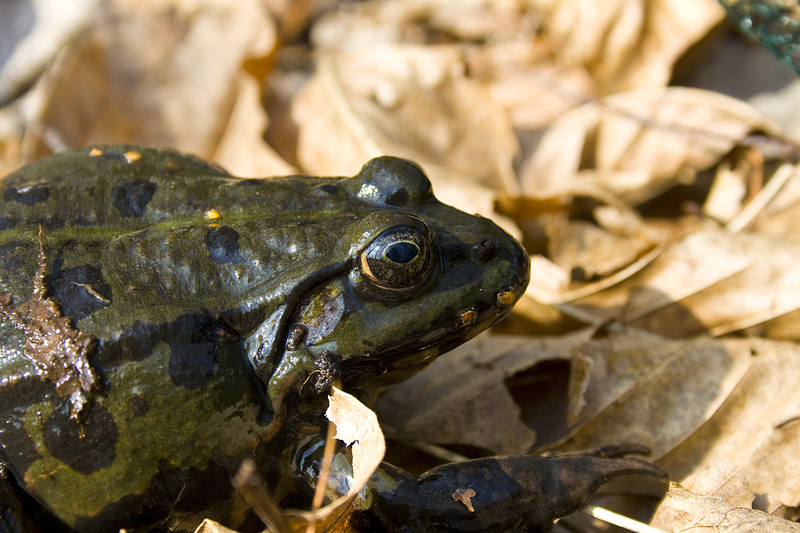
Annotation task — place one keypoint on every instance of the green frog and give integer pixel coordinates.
(163, 320)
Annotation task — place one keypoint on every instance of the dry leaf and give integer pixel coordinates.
(461, 398)
(711, 281)
(367, 24)
(31, 34)
(241, 149)
(412, 102)
(578, 245)
(209, 526)
(522, 77)
(632, 146)
(626, 44)
(697, 513)
(178, 91)
(358, 426)
(694, 403)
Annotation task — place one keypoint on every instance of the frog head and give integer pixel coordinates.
(412, 279)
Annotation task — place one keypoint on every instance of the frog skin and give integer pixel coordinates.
(163, 320)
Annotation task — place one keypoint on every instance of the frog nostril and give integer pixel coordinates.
(482, 250)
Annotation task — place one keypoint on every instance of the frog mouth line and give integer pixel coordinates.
(444, 339)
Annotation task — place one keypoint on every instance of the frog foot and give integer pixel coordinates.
(504, 493)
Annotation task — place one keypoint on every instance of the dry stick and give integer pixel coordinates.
(618, 520)
(757, 204)
(324, 472)
(251, 486)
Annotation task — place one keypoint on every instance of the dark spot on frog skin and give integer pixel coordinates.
(330, 188)
(248, 181)
(139, 405)
(11, 255)
(130, 196)
(15, 437)
(222, 244)
(170, 489)
(7, 222)
(31, 195)
(81, 291)
(140, 337)
(190, 365)
(85, 446)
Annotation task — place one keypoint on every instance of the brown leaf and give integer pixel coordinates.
(696, 513)
(694, 403)
(461, 398)
(711, 281)
(209, 526)
(177, 91)
(626, 44)
(357, 425)
(632, 146)
(32, 34)
(411, 102)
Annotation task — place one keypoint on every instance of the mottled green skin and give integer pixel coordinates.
(193, 318)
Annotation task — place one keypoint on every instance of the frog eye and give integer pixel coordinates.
(400, 258)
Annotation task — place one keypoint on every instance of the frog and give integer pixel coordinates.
(162, 321)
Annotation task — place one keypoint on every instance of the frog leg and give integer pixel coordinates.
(504, 493)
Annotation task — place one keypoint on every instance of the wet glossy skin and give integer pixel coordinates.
(207, 316)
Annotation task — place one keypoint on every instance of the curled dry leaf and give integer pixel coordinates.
(694, 403)
(31, 34)
(367, 24)
(461, 398)
(209, 526)
(709, 281)
(523, 78)
(626, 44)
(412, 102)
(632, 146)
(184, 82)
(697, 513)
(358, 426)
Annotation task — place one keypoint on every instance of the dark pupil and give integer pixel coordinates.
(402, 252)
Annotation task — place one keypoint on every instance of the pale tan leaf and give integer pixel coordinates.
(523, 78)
(710, 281)
(632, 146)
(31, 35)
(626, 44)
(410, 102)
(367, 24)
(177, 91)
(209, 526)
(356, 425)
(780, 216)
(593, 250)
(697, 513)
(241, 149)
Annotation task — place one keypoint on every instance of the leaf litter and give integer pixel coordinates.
(662, 220)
